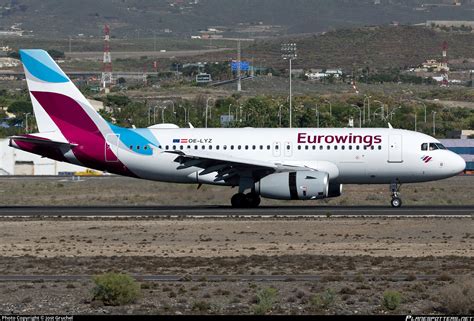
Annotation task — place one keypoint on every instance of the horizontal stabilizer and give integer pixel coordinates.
(41, 141)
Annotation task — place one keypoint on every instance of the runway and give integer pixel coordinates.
(223, 211)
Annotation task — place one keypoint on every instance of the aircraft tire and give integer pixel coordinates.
(396, 202)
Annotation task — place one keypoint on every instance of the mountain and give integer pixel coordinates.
(143, 18)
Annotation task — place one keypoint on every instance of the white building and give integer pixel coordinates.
(17, 162)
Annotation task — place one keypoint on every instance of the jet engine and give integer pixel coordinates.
(301, 185)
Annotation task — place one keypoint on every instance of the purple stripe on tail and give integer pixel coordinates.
(78, 128)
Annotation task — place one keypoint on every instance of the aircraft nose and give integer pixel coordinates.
(458, 164)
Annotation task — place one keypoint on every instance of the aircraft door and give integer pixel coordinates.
(288, 149)
(112, 147)
(395, 149)
(276, 149)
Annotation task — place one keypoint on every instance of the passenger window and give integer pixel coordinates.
(131, 147)
(210, 146)
(380, 147)
(335, 147)
(288, 147)
(254, 147)
(203, 147)
(321, 147)
(357, 147)
(181, 147)
(225, 147)
(350, 147)
(268, 147)
(167, 147)
(365, 147)
(424, 146)
(239, 147)
(217, 147)
(314, 147)
(261, 147)
(232, 147)
(329, 147)
(343, 147)
(189, 146)
(195, 146)
(306, 147)
(246, 147)
(276, 147)
(174, 147)
(433, 146)
(372, 147)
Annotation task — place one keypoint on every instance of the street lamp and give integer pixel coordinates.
(330, 107)
(279, 113)
(434, 123)
(288, 51)
(230, 105)
(382, 108)
(162, 114)
(366, 97)
(393, 112)
(26, 121)
(360, 114)
(317, 114)
(185, 112)
(207, 107)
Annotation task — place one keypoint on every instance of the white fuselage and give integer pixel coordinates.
(393, 155)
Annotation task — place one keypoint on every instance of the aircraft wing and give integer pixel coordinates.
(228, 167)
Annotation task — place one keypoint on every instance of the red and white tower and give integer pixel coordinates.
(444, 64)
(107, 62)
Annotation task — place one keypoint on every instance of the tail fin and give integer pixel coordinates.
(57, 103)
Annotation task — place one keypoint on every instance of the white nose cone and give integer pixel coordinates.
(458, 164)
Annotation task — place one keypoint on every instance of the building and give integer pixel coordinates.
(17, 162)
(9, 62)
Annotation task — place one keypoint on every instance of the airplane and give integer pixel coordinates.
(276, 163)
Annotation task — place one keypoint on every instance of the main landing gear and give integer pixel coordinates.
(395, 190)
(249, 200)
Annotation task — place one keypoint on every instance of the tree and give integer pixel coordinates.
(20, 107)
(56, 54)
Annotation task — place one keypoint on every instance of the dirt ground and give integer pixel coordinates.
(357, 259)
(128, 191)
(428, 260)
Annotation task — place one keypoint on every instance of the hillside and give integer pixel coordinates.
(374, 47)
(143, 18)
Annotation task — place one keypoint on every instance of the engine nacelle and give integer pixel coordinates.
(304, 185)
(335, 190)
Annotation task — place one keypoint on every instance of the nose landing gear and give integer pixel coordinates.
(395, 190)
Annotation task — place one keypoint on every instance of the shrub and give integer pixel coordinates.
(458, 298)
(115, 289)
(391, 299)
(265, 300)
(201, 306)
(323, 300)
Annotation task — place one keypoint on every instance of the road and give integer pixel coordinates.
(225, 211)
(217, 278)
(138, 54)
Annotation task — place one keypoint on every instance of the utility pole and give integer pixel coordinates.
(239, 68)
(289, 52)
(434, 123)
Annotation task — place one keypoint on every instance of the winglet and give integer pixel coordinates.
(390, 126)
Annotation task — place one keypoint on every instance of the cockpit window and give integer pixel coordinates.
(433, 146)
(440, 146)
(424, 146)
